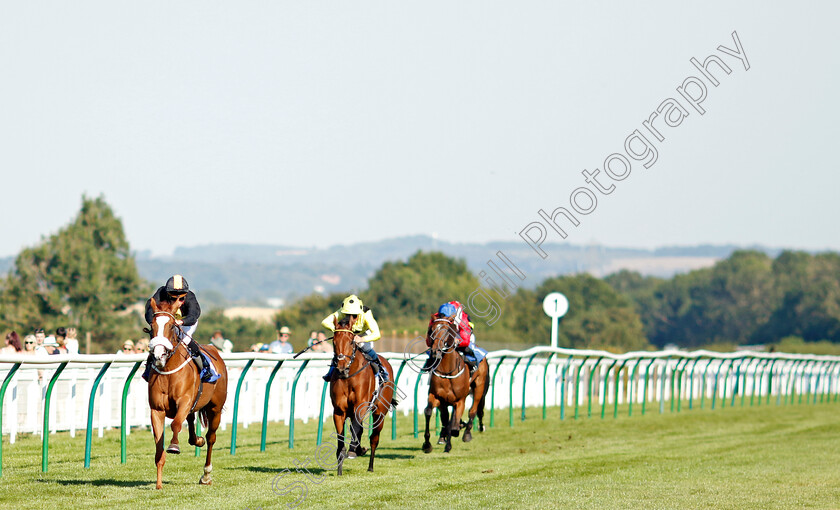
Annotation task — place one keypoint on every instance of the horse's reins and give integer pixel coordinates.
(186, 361)
(460, 361)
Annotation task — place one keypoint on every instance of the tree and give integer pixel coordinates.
(82, 276)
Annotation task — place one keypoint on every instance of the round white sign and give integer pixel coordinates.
(555, 305)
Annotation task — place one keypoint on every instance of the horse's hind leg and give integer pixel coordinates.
(358, 432)
(160, 455)
(446, 427)
(378, 423)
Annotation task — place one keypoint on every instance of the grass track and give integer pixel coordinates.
(753, 457)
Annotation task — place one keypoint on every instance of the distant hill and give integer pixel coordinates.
(241, 273)
(252, 274)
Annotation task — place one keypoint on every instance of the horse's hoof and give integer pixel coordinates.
(360, 451)
(427, 448)
(456, 433)
(467, 437)
(441, 440)
(351, 455)
(200, 442)
(448, 448)
(173, 448)
(202, 481)
(482, 428)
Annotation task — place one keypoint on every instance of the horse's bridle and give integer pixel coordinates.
(169, 352)
(339, 357)
(438, 353)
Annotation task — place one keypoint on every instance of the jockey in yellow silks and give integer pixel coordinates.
(366, 332)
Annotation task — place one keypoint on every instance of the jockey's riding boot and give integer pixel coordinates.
(471, 364)
(379, 370)
(195, 353)
(148, 368)
(330, 373)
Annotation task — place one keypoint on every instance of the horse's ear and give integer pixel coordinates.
(335, 321)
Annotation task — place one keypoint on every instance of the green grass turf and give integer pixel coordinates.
(740, 458)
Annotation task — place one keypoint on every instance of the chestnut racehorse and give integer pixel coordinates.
(176, 390)
(450, 383)
(352, 389)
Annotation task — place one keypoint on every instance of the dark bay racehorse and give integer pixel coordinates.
(352, 390)
(450, 383)
(176, 390)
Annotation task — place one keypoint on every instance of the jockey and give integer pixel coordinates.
(364, 325)
(461, 320)
(177, 290)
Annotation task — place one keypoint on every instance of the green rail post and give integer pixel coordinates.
(821, 378)
(321, 414)
(236, 406)
(265, 404)
(793, 375)
(645, 386)
(680, 385)
(6, 382)
(589, 391)
(703, 385)
(524, 382)
(577, 384)
(563, 388)
(606, 388)
(691, 384)
(787, 368)
(630, 390)
(45, 444)
(197, 434)
(746, 373)
(292, 405)
(715, 385)
(545, 376)
(617, 381)
(662, 385)
(726, 383)
(675, 382)
(770, 381)
(91, 400)
(493, 387)
(416, 385)
(802, 389)
(736, 384)
(510, 391)
(757, 380)
(123, 416)
(393, 412)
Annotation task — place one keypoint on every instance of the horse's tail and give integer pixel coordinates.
(202, 415)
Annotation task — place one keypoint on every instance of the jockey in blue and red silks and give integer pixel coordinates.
(455, 311)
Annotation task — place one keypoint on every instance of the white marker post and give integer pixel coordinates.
(555, 305)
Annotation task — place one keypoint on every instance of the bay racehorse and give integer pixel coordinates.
(176, 390)
(450, 382)
(354, 394)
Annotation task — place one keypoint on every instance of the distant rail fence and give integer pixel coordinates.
(100, 392)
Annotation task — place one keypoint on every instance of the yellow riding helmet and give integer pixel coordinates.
(351, 305)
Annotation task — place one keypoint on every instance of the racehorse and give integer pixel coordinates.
(353, 392)
(176, 390)
(450, 383)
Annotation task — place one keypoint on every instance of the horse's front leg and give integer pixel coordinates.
(183, 407)
(160, 455)
(338, 418)
(433, 402)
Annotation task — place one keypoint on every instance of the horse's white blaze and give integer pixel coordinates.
(158, 342)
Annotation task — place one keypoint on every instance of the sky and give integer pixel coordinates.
(323, 123)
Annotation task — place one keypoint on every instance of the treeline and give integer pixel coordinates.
(748, 298)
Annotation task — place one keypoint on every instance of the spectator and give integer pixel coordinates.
(40, 336)
(61, 340)
(29, 343)
(256, 347)
(282, 345)
(221, 343)
(72, 343)
(141, 346)
(313, 337)
(323, 345)
(47, 346)
(127, 348)
(12, 344)
(264, 348)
